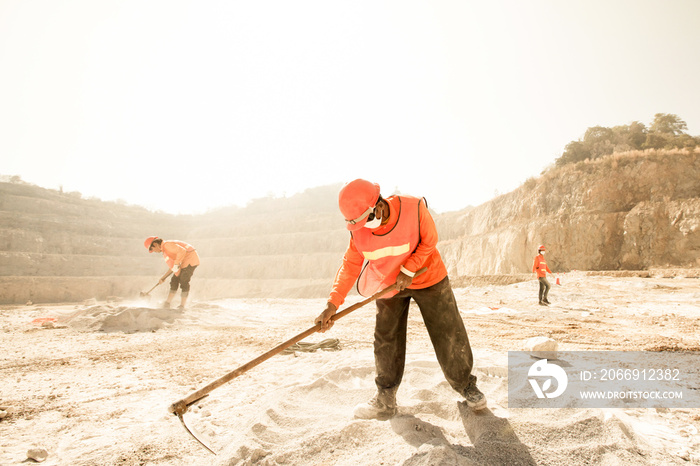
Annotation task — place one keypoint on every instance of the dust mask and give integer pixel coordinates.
(372, 224)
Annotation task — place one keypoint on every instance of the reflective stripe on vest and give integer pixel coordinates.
(387, 253)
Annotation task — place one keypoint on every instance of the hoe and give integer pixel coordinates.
(179, 408)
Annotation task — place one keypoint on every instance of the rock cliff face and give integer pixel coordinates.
(626, 211)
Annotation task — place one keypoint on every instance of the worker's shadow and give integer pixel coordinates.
(493, 440)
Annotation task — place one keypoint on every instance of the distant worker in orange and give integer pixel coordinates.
(540, 268)
(396, 237)
(182, 259)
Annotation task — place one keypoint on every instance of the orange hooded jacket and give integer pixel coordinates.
(424, 255)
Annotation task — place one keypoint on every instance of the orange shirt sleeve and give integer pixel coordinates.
(535, 264)
(347, 274)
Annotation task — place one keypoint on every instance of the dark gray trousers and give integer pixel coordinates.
(182, 280)
(544, 287)
(438, 307)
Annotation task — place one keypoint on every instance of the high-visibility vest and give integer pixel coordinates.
(385, 254)
(540, 266)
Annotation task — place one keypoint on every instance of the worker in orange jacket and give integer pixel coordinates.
(540, 268)
(182, 259)
(390, 240)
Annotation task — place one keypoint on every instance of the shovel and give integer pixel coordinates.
(179, 408)
(147, 293)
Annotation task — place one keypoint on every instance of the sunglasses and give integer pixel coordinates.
(370, 216)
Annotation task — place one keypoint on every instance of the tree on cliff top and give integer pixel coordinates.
(667, 131)
(665, 123)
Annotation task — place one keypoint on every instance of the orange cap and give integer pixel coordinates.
(149, 241)
(356, 201)
(541, 248)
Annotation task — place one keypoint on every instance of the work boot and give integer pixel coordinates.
(546, 301)
(475, 399)
(382, 406)
(168, 300)
(542, 303)
(183, 300)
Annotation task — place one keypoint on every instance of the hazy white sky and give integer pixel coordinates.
(183, 106)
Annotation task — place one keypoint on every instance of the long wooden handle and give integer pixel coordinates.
(180, 407)
(149, 291)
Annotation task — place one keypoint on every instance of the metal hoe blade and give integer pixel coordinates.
(194, 433)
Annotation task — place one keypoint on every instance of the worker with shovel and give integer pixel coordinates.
(182, 259)
(397, 236)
